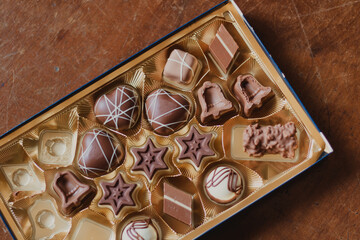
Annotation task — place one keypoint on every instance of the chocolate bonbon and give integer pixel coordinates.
(117, 194)
(259, 140)
(99, 153)
(250, 93)
(178, 204)
(213, 102)
(90, 229)
(119, 108)
(45, 220)
(73, 194)
(223, 48)
(195, 146)
(149, 158)
(167, 111)
(180, 67)
(223, 184)
(140, 229)
(56, 147)
(22, 177)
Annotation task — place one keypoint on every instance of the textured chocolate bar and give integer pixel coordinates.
(259, 140)
(178, 204)
(223, 48)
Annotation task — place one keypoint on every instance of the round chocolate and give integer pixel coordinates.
(21, 177)
(223, 184)
(140, 229)
(118, 108)
(167, 111)
(99, 153)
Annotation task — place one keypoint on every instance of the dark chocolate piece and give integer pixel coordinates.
(180, 67)
(167, 111)
(117, 194)
(195, 146)
(223, 48)
(178, 204)
(149, 158)
(118, 108)
(250, 93)
(99, 153)
(74, 195)
(223, 185)
(213, 102)
(259, 140)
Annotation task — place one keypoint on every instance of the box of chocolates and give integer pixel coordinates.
(166, 145)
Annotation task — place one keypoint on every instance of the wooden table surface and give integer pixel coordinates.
(50, 48)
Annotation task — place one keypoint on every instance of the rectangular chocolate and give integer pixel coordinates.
(178, 204)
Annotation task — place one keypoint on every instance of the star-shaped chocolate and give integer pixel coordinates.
(149, 158)
(195, 146)
(117, 194)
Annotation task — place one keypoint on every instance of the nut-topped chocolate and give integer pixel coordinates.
(99, 153)
(180, 67)
(195, 146)
(259, 140)
(223, 184)
(117, 194)
(167, 111)
(142, 229)
(119, 108)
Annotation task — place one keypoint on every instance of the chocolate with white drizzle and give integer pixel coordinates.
(180, 67)
(140, 230)
(224, 184)
(167, 111)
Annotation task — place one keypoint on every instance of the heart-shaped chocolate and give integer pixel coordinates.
(118, 108)
(99, 153)
(167, 111)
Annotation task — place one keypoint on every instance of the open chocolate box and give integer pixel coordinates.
(168, 144)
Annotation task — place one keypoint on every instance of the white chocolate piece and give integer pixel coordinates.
(139, 229)
(223, 185)
(91, 230)
(21, 177)
(57, 147)
(45, 220)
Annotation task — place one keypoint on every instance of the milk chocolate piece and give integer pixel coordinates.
(180, 67)
(259, 140)
(223, 185)
(167, 111)
(195, 146)
(223, 48)
(149, 158)
(45, 220)
(213, 102)
(250, 93)
(21, 177)
(74, 195)
(178, 204)
(117, 193)
(56, 147)
(89, 229)
(142, 229)
(119, 108)
(99, 153)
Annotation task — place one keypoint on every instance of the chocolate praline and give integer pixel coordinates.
(223, 184)
(140, 229)
(99, 153)
(167, 111)
(118, 108)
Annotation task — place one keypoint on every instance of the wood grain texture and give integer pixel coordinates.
(50, 48)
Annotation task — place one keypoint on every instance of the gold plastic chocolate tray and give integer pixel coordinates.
(32, 207)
